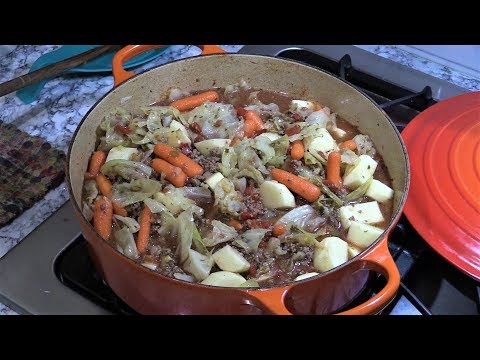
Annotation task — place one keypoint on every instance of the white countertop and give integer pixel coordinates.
(64, 101)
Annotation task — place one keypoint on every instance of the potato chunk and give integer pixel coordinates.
(331, 253)
(305, 276)
(362, 235)
(368, 213)
(230, 259)
(379, 191)
(324, 143)
(224, 278)
(276, 196)
(360, 172)
(214, 180)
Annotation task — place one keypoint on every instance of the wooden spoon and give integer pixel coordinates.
(54, 69)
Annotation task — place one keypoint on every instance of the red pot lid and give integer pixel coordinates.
(443, 203)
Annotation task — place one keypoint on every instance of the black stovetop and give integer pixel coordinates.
(430, 285)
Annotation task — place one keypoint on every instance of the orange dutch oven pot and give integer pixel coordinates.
(328, 293)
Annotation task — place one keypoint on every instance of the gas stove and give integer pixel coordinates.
(50, 272)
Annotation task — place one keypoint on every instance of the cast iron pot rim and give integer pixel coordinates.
(382, 237)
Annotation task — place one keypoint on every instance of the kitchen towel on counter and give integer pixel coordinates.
(29, 168)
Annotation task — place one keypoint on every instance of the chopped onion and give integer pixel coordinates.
(348, 156)
(185, 228)
(126, 241)
(135, 191)
(87, 212)
(297, 216)
(90, 191)
(220, 233)
(131, 223)
(146, 155)
(198, 194)
(155, 206)
(250, 283)
(240, 184)
(319, 117)
(151, 266)
(251, 239)
(305, 217)
(176, 94)
(184, 277)
(275, 247)
(364, 145)
(127, 169)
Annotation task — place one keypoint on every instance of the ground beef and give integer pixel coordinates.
(270, 268)
(134, 210)
(155, 228)
(216, 153)
(209, 163)
(147, 161)
(261, 262)
(293, 165)
(196, 180)
(294, 247)
(203, 223)
(253, 203)
(165, 259)
(140, 157)
(196, 156)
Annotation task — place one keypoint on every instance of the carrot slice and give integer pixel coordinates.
(172, 173)
(176, 158)
(96, 161)
(105, 187)
(349, 144)
(144, 232)
(192, 102)
(333, 169)
(297, 150)
(248, 128)
(279, 230)
(240, 111)
(118, 210)
(300, 186)
(253, 123)
(235, 224)
(234, 141)
(103, 217)
(254, 118)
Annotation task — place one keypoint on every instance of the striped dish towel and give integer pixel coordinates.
(29, 168)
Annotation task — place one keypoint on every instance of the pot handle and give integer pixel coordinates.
(129, 51)
(378, 259)
(272, 299)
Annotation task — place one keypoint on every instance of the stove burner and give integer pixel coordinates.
(74, 268)
(345, 70)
